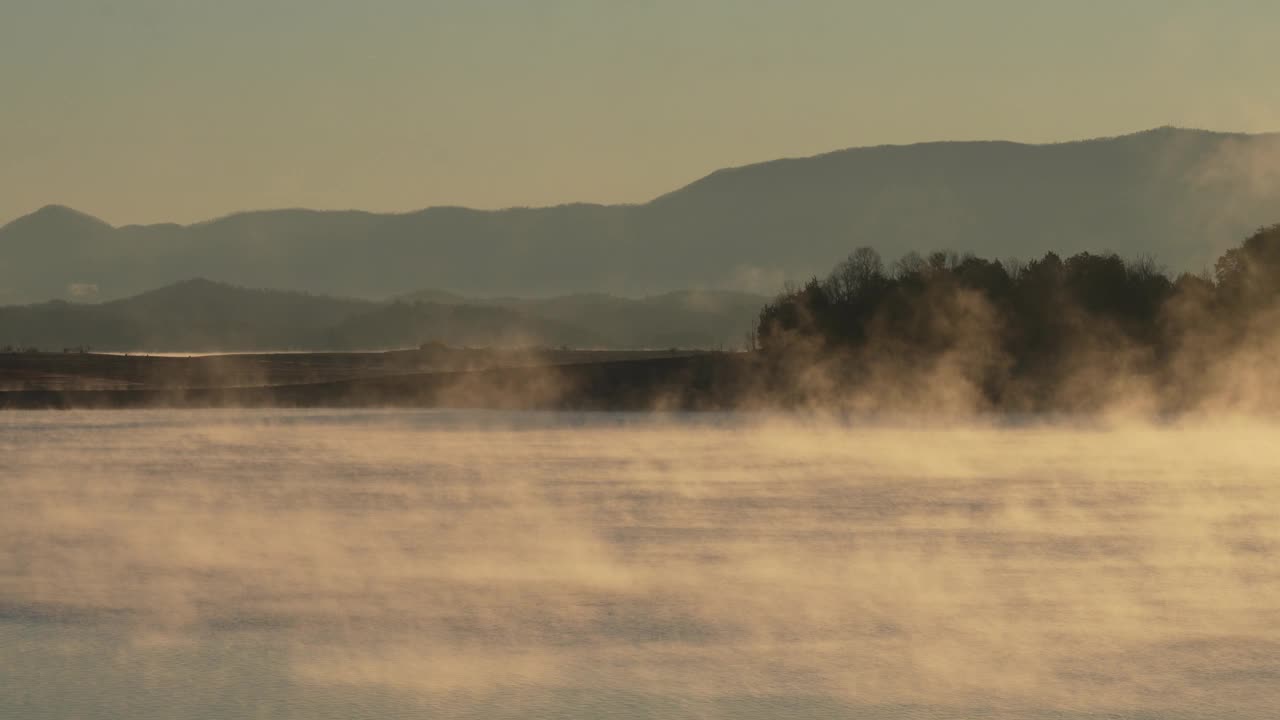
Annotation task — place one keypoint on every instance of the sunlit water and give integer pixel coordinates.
(443, 564)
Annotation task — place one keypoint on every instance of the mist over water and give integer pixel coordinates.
(218, 564)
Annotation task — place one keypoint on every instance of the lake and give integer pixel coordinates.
(314, 564)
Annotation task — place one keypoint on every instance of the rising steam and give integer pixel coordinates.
(688, 567)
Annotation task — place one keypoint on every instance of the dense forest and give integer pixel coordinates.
(1080, 333)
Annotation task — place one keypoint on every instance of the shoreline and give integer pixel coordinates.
(692, 381)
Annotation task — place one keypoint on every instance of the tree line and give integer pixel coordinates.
(1027, 334)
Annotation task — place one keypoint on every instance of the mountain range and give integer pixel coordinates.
(205, 316)
(1180, 195)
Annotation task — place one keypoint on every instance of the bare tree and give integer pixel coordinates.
(854, 274)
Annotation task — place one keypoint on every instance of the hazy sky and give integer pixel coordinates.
(181, 110)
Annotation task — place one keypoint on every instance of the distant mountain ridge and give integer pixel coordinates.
(1181, 195)
(200, 315)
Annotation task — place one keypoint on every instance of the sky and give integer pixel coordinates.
(143, 111)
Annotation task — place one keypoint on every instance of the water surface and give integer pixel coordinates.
(304, 564)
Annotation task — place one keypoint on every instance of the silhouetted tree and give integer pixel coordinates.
(1039, 312)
